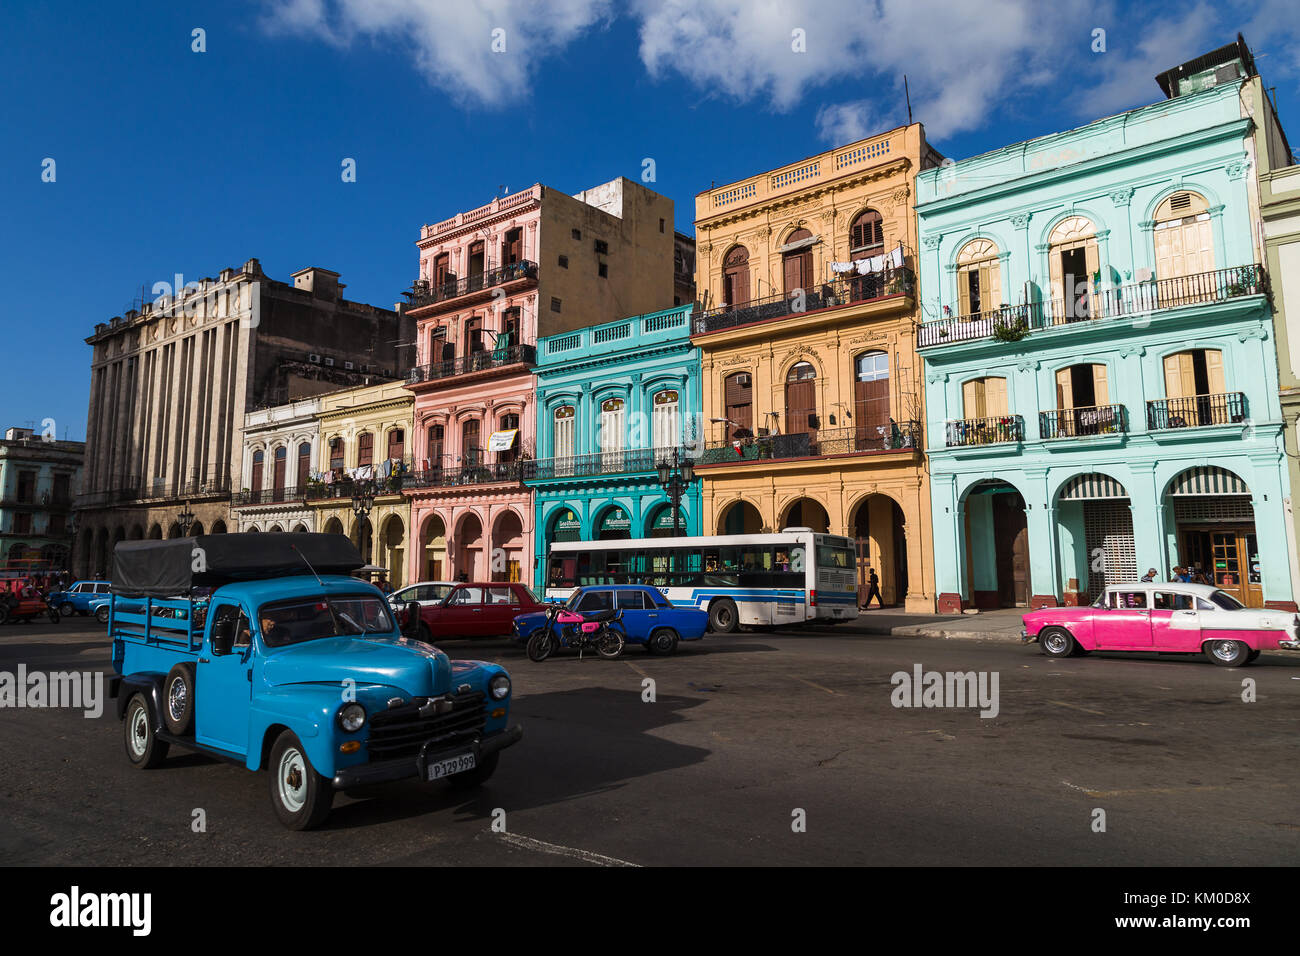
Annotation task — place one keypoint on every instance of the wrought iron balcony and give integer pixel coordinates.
(267, 496)
(1082, 422)
(474, 362)
(1013, 322)
(465, 474)
(1226, 409)
(895, 436)
(135, 488)
(825, 295)
(619, 462)
(968, 432)
(425, 293)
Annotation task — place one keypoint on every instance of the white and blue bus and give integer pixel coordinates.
(790, 577)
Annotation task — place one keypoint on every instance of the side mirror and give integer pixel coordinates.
(411, 619)
(223, 638)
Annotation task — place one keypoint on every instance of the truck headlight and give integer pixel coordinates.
(352, 718)
(499, 686)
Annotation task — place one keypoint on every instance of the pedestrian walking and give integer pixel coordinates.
(1149, 576)
(873, 590)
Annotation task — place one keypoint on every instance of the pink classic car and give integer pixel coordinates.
(1169, 618)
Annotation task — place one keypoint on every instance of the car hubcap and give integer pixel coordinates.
(293, 781)
(1225, 650)
(139, 732)
(1056, 643)
(176, 699)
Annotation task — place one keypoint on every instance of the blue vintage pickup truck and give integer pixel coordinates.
(262, 650)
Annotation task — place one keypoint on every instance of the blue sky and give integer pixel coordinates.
(172, 161)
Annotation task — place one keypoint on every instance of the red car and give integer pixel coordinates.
(21, 601)
(483, 609)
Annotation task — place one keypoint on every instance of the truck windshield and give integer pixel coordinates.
(309, 619)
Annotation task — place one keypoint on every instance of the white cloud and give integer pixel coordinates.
(452, 40)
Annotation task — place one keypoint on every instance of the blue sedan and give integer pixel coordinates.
(649, 618)
(78, 597)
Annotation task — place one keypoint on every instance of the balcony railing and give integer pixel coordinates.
(135, 488)
(465, 474)
(1083, 421)
(825, 295)
(474, 362)
(267, 496)
(600, 463)
(1196, 410)
(895, 436)
(1127, 301)
(969, 432)
(425, 293)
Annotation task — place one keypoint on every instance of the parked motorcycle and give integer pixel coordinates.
(564, 628)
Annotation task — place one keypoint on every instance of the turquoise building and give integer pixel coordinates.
(613, 401)
(1100, 371)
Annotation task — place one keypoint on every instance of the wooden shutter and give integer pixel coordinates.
(1180, 376)
(963, 292)
(1065, 389)
(972, 399)
(793, 267)
(1093, 262)
(738, 396)
(990, 286)
(256, 481)
(396, 443)
(1060, 304)
(1168, 265)
(800, 405)
(1100, 390)
(995, 397)
(281, 461)
(304, 465)
(365, 449)
(1214, 371)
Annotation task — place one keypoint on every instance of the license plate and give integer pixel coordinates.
(450, 765)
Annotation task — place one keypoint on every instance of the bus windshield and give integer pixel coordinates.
(313, 618)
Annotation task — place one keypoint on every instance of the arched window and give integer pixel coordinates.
(397, 444)
(612, 427)
(337, 448)
(1184, 241)
(665, 423)
(471, 442)
(735, 277)
(255, 482)
(738, 395)
(304, 465)
(797, 262)
(871, 398)
(365, 449)
(1073, 259)
(433, 459)
(866, 235)
(984, 398)
(562, 438)
(438, 346)
(278, 475)
(801, 400)
(509, 422)
(979, 278)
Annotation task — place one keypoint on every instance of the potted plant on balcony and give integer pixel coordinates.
(1010, 331)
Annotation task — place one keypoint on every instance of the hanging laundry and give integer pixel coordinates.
(896, 258)
(842, 267)
(386, 469)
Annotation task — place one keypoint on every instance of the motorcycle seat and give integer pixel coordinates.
(597, 616)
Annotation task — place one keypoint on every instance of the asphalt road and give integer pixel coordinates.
(744, 731)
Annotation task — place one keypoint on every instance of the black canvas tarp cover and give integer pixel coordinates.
(171, 568)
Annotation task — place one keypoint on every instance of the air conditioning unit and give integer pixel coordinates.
(314, 358)
(742, 379)
(348, 365)
(329, 362)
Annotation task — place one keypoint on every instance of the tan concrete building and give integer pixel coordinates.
(812, 386)
(172, 381)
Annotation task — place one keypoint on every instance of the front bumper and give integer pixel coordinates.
(1289, 645)
(1026, 637)
(386, 771)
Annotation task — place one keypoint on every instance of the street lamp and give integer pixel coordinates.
(185, 519)
(675, 476)
(362, 503)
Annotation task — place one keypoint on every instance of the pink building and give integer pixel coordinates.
(491, 281)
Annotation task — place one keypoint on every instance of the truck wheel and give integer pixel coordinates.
(101, 614)
(1056, 642)
(178, 699)
(1227, 653)
(663, 641)
(479, 775)
(722, 616)
(301, 797)
(143, 748)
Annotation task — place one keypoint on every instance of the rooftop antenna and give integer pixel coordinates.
(907, 96)
(294, 549)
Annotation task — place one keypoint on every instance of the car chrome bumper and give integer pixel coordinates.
(386, 771)
(1289, 645)
(1026, 637)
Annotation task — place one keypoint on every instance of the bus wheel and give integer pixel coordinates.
(722, 616)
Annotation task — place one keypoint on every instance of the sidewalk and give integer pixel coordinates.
(1000, 625)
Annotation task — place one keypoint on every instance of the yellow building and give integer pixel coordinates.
(365, 435)
(812, 385)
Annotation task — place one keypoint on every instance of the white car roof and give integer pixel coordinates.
(1181, 587)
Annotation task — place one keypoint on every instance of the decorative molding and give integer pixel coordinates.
(1237, 169)
(1256, 333)
(933, 377)
(1122, 197)
(1028, 365)
(1128, 351)
(1021, 220)
(931, 242)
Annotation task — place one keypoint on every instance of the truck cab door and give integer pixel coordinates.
(223, 685)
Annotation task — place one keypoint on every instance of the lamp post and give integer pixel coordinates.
(675, 476)
(362, 503)
(185, 519)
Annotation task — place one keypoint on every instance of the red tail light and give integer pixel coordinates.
(812, 598)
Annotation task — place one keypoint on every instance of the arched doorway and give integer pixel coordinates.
(174, 531)
(333, 526)
(218, 527)
(363, 537)
(275, 529)
(469, 549)
(299, 528)
(801, 407)
(659, 522)
(196, 529)
(997, 546)
(1212, 515)
(507, 548)
(740, 517)
(880, 537)
(563, 525)
(155, 532)
(806, 513)
(614, 524)
(1095, 528)
(394, 549)
(433, 540)
(136, 533)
